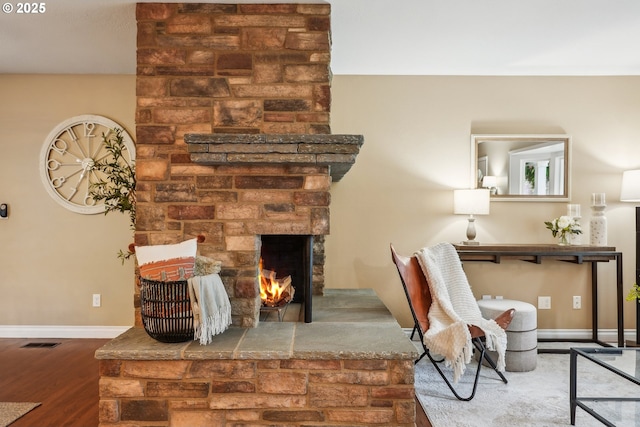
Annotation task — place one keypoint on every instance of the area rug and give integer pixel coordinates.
(11, 411)
(538, 398)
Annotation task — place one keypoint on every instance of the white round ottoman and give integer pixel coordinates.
(522, 333)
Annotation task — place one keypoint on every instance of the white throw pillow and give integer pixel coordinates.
(167, 262)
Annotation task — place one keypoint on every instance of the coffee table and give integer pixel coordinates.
(610, 392)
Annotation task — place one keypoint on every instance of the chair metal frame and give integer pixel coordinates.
(416, 289)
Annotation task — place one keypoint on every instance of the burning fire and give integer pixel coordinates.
(274, 292)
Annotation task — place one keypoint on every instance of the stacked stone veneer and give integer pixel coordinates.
(231, 69)
(293, 393)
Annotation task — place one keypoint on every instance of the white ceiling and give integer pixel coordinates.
(385, 37)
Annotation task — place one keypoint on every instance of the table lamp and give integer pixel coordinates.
(630, 192)
(490, 182)
(471, 202)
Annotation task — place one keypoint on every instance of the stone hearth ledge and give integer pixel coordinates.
(348, 324)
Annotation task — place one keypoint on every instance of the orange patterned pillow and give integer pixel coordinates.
(167, 262)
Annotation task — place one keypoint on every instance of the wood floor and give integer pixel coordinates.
(64, 378)
(421, 417)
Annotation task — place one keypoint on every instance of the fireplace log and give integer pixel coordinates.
(276, 298)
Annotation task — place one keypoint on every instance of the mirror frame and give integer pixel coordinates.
(537, 138)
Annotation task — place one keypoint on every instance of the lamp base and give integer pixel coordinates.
(470, 243)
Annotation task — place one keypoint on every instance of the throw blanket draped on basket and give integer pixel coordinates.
(454, 308)
(210, 305)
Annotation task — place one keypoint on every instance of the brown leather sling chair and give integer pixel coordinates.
(416, 289)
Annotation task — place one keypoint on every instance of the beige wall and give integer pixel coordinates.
(53, 260)
(416, 151)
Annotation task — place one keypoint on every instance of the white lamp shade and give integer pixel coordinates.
(471, 202)
(489, 181)
(630, 190)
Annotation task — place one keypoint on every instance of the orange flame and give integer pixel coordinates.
(270, 289)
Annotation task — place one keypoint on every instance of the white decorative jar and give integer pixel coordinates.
(598, 224)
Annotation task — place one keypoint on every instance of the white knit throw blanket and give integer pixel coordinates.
(453, 308)
(210, 305)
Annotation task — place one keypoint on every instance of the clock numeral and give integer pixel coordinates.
(58, 181)
(88, 129)
(53, 165)
(73, 193)
(88, 201)
(59, 146)
(72, 134)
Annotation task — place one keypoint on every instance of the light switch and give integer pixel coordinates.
(4, 210)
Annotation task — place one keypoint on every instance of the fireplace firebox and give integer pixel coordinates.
(291, 255)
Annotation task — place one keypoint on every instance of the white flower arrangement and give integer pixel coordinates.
(563, 226)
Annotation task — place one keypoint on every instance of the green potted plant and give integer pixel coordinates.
(118, 187)
(634, 293)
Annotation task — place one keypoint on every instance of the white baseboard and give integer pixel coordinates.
(606, 335)
(63, 331)
(60, 331)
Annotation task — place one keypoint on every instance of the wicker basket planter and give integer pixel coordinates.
(166, 310)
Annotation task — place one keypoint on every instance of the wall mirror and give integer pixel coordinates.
(522, 167)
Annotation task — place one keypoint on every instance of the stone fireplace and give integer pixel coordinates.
(233, 143)
(233, 135)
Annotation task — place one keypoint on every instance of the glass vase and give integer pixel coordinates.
(563, 240)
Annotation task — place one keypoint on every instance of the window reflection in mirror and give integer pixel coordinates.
(522, 167)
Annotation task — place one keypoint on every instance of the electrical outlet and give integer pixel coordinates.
(96, 300)
(544, 303)
(577, 302)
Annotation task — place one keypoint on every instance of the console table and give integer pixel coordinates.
(574, 254)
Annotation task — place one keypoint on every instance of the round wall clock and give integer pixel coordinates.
(68, 156)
